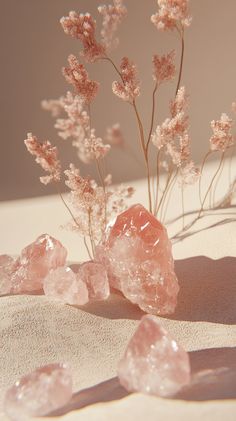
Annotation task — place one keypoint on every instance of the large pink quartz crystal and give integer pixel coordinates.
(63, 285)
(153, 362)
(39, 393)
(139, 261)
(35, 262)
(94, 275)
(6, 266)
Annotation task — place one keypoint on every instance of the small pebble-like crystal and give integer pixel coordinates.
(153, 362)
(94, 275)
(39, 393)
(35, 262)
(63, 285)
(139, 262)
(6, 264)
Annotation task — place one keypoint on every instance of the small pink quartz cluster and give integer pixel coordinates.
(42, 265)
(154, 363)
(135, 259)
(39, 393)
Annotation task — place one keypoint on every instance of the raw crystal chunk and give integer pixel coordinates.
(94, 275)
(39, 393)
(6, 264)
(35, 262)
(63, 285)
(138, 258)
(153, 362)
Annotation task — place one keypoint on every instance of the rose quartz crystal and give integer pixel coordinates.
(35, 262)
(139, 261)
(94, 275)
(39, 393)
(6, 264)
(63, 285)
(153, 362)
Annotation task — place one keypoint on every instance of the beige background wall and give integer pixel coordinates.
(34, 48)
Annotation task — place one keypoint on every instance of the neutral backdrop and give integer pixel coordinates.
(34, 48)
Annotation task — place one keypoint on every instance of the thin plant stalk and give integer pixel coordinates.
(211, 184)
(181, 33)
(167, 201)
(74, 219)
(200, 178)
(165, 190)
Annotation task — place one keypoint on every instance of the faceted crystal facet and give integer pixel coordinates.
(6, 265)
(94, 275)
(39, 393)
(139, 261)
(63, 285)
(153, 362)
(35, 262)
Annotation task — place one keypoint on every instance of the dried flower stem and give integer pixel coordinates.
(157, 180)
(152, 117)
(169, 188)
(181, 33)
(164, 191)
(144, 146)
(200, 178)
(145, 153)
(167, 201)
(74, 219)
(211, 184)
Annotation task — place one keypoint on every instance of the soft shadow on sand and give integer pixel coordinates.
(107, 391)
(213, 375)
(213, 378)
(207, 290)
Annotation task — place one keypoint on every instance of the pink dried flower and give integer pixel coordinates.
(112, 17)
(46, 156)
(77, 75)
(77, 122)
(164, 68)
(180, 102)
(170, 13)
(82, 26)
(189, 174)
(91, 148)
(222, 137)
(114, 135)
(129, 88)
(55, 106)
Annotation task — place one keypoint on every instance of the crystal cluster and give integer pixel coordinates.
(138, 258)
(39, 393)
(26, 274)
(154, 363)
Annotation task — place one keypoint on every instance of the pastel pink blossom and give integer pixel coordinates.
(39, 393)
(129, 88)
(35, 262)
(154, 363)
(112, 17)
(222, 137)
(189, 174)
(114, 135)
(94, 276)
(54, 106)
(92, 148)
(164, 68)
(62, 284)
(170, 14)
(82, 26)
(77, 75)
(77, 123)
(139, 262)
(93, 206)
(46, 156)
